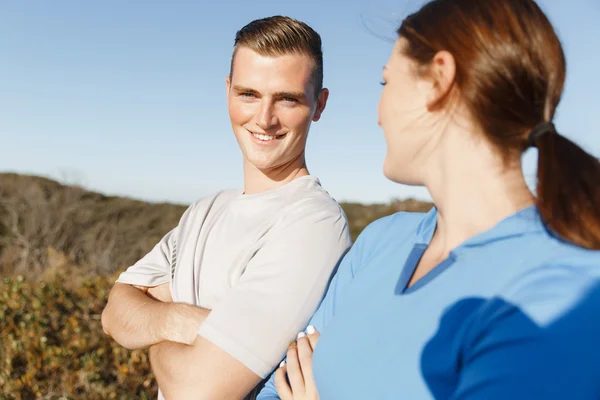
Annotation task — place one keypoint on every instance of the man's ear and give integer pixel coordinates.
(227, 86)
(442, 72)
(321, 103)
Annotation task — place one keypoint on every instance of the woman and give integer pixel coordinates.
(495, 293)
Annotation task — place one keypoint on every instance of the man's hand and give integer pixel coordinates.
(182, 322)
(136, 320)
(160, 292)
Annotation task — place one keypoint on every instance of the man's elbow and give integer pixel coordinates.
(122, 339)
(107, 321)
(104, 319)
(111, 329)
(107, 317)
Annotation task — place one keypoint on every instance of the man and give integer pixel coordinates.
(222, 295)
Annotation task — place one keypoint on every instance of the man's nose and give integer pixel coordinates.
(266, 118)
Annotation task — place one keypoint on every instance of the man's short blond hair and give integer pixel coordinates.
(279, 35)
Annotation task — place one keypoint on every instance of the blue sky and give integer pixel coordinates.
(128, 98)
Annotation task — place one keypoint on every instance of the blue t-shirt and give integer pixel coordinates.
(512, 313)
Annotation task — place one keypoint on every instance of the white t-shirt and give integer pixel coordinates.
(260, 262)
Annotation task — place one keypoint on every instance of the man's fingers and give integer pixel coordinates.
(294, 372)
(144, 289)
(313, 336)
(161, 293)
(281, 384)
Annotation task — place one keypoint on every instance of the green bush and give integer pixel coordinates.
(53, 347)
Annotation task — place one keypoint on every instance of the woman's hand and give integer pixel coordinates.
(299, 384)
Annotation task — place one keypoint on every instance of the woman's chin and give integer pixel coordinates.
(401, 175)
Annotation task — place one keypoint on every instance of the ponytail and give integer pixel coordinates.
(568, 190)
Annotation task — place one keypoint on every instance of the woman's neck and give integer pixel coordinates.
(473, 192)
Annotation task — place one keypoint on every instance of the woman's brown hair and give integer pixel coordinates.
(510, 71)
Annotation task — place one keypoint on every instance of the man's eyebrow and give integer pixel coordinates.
(243, 89)
(294, 95)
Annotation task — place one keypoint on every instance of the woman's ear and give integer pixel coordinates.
(442, 72)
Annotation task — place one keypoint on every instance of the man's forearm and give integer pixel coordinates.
(137, 321)
(167, 360)
(201, 371)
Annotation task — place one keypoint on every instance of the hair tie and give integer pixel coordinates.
(539, 131)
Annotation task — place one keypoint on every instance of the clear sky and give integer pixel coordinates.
(128, 98)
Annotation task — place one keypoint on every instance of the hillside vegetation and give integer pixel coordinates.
(61, 248)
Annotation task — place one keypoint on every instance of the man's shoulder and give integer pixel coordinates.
(311, 203)
(197, 210)
(308, 209)
(219, 197)
(225, 195)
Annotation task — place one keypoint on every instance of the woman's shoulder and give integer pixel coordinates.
(564, 263)
(386, 234)
(567, 277)
(396, 225)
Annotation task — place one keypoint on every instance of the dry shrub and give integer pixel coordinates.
(52, 345)
(41, 219)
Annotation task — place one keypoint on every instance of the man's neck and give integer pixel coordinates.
(258, 181)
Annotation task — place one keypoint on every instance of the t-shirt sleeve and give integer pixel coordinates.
(155, 267)
(339, 286)
(323, 315)
(541, 340)
(280, 288)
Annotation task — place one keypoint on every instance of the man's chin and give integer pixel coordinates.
(261, 164)
(273, 164)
